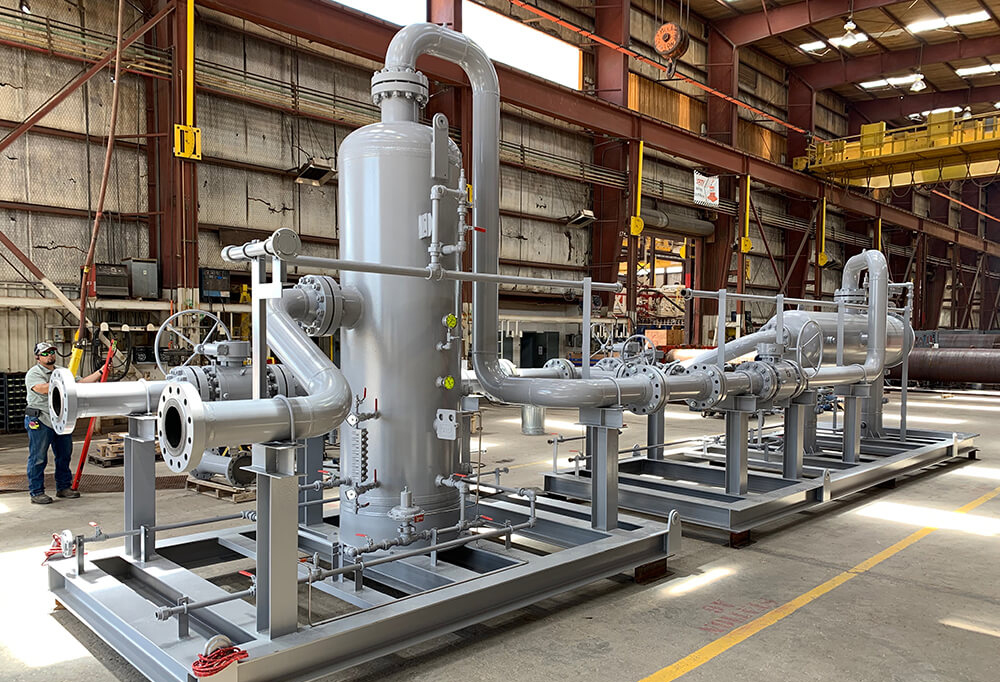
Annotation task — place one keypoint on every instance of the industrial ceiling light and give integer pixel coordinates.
(966, 113)
(918, 84)
(581, 218)
(316, 172)
(25, 7)
(850, 38)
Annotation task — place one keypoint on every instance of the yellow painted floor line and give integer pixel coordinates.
(731, 639)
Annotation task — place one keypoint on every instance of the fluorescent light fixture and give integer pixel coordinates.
(977, 70)
(896, 81)
(814, 46)
(945, 22)
(916, 117)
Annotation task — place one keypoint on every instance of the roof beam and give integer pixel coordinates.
(333, 25)
(749, 28)
(890, 108)
(831, 74)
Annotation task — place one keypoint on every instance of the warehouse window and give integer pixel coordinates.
(511, 42)
(399, 12)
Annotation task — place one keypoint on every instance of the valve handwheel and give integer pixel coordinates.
(196, 347)
(646, 353)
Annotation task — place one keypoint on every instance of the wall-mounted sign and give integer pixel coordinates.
(706, 189)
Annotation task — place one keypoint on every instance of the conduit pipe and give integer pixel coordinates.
(408, 44)
(188, 425)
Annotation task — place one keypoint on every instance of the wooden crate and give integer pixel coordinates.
(111, 452)
(222, 491)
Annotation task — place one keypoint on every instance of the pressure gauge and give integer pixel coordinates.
(450, 321)
(447, 382)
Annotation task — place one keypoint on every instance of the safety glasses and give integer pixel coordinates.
(46, 353)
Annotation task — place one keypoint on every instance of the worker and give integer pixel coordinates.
(41, 435)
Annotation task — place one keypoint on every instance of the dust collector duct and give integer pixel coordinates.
(684, 226)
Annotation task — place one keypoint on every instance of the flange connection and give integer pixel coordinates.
(656, 383)
(397, 82)
(718, 385)
(565, 367)
(182, 432)
(62, 400)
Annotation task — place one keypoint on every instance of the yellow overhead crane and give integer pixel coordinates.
(943, 148)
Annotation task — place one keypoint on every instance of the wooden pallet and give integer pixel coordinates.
(112, 451)
(222, 491)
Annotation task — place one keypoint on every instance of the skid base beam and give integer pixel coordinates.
(693, 480)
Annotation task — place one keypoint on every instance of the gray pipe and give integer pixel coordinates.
(878, 311)
(189, 426)
(734, 349)
(406, 46)
(70, 400)
(679, 225)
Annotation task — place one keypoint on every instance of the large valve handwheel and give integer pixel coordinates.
(809, 346)
(646, 353)
(196, 347)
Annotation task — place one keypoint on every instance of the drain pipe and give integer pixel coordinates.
(400, 64)
(188, 425)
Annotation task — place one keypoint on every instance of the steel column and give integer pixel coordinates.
(602, 429)
(852, 429)
(309, 462)
(140, 485)
(795, 428)
(737, 452)
(277, 538)
(655, 433)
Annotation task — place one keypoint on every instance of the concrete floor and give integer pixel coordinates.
(928, 613)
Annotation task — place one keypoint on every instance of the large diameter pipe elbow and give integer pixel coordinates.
(70, 400)
(188, 425)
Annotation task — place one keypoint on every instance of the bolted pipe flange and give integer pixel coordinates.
(397, 82)
(328, 305)
(656, 383)
(718, 382)
(181, 428)
(764, 380)
(609, 364)
(565, 367)
(63, 400)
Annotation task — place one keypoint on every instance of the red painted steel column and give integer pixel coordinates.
(801, 113)
(611, 209)
(991, 285)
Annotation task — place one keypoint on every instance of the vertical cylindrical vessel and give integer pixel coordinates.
(392, 355)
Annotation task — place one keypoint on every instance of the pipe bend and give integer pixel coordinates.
(188, 425)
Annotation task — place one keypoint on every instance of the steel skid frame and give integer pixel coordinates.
(737, 482)
(116, 591)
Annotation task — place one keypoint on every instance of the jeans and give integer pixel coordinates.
(39, 440)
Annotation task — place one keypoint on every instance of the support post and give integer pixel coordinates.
(277, 538)
(795, 425)
(602, 429)
(140, 485)
(852, 429)
(655, 434)
(309, 460)
(737, 452)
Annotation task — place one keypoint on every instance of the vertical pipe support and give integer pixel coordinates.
(309, 461)
(655, 434)
(794, 440)
(852, 429)
(737, 452)
(140, 486)
(602, 427)
(720, 330)
(585, 350)
(277, 538)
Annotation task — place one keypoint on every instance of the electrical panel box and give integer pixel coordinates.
(110, 280)
(215, 286)
(143, 280)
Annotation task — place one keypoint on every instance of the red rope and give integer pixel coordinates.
(217, 661)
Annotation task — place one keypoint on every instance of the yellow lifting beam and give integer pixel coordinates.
(944, 148)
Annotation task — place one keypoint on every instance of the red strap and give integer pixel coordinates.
(217, 661)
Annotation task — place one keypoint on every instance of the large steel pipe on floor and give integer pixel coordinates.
(953, 365)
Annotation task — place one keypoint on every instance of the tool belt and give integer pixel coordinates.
(32, 412)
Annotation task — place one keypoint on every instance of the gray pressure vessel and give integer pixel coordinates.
(899, 336)
(391, 355)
